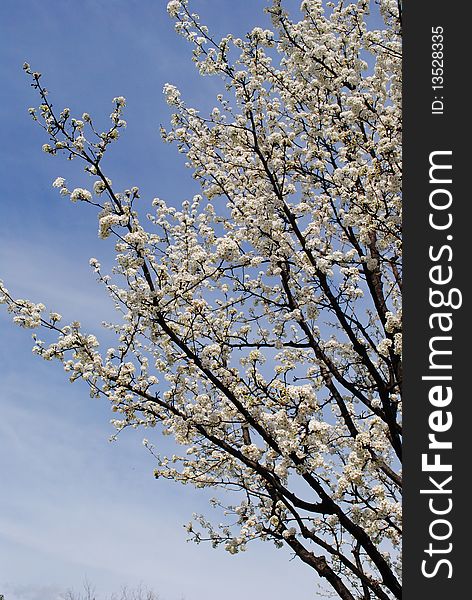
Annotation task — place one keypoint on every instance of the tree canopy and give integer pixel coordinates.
(259, 323)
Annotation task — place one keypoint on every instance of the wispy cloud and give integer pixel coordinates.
(77, 506)
(62, 281)
(32, 592)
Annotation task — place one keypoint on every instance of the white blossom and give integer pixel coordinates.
(80, 194)
(59, 182)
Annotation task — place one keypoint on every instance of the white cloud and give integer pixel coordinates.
(31, 592)
(77, 506)
(63, 282)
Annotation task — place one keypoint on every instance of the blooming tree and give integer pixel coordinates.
(260, 323)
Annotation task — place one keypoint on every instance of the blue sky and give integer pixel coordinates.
(72, 505)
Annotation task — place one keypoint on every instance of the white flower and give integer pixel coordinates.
(384, 346)
(372, 263)
(99, 187)
(59, 182)
(289, 533)
(80, 194)
(251, 451)
(172, 94)
(227, 248)
(173, 8)
(398, 343)
(255, 355)
(120, 100)
(79, 143)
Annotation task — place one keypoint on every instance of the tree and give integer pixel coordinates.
(260, 323)
(139, 593)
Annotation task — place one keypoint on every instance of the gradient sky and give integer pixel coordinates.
(72, 505)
